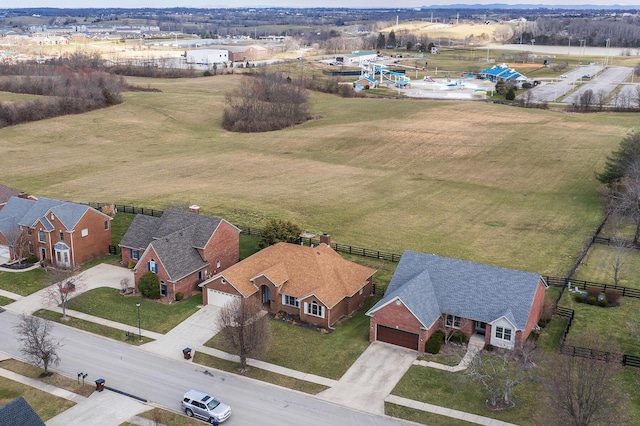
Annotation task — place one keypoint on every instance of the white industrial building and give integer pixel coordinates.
(207, 56)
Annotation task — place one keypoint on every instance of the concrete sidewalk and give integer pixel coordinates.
(475, 345)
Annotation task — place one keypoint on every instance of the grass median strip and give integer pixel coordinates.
(167, 418)
(4, 301)
(102, 330)
(423, 417)
(259, 374)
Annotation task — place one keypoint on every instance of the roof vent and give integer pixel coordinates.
(194, 209)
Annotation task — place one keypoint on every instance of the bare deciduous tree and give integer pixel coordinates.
(244, 329)
(617, 264)
(624, 197)
(65, 285)
(18, 243)
(500, 371)
(582, 391)
(37, 344)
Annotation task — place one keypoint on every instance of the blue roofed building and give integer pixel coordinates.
(503, 73)
(429, 293)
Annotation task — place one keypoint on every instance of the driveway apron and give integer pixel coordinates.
(371, 378)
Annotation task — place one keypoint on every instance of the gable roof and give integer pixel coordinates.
(27, 212)
(300, 272)
(176, 237)
(19, 413)
(431, 285)
(504, 72)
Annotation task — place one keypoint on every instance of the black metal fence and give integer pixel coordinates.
(257, 232)
(582, 284)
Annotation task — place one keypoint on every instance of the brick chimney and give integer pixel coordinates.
(326, 239)
(23, 195)
(194, 209)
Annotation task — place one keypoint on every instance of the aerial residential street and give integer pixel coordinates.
(163, 381)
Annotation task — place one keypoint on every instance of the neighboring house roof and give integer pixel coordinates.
(430, 285)
(300, 272)
(26, 212)
(176, 237)
(6, 193)
(19, 413)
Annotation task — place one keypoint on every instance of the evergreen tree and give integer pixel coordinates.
(619, 162)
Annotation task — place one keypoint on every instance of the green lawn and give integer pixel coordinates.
(451, 390)
(599, 266)
(326, 355)
(621, 322)
(154, 316)
(5, 301)
(259, 374)
(423, 417)
(45, 405)
(24, 283)
(91, 327)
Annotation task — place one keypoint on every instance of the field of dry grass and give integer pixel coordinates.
(488, 183)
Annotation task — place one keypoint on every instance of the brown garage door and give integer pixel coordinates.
(397, 337)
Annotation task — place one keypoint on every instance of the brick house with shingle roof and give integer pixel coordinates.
(428, 291)
(182, 248)
(62, 233)
(314, 283)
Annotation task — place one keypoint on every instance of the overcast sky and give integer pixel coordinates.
(283, 3)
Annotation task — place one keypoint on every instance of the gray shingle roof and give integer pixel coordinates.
(26, 212)
(431, 285)
(175, 236)
(19, 413)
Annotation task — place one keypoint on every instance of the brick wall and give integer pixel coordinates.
(224, 246)
(399, 317)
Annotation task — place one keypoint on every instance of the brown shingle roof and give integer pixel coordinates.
(6, 193)
(301, 272)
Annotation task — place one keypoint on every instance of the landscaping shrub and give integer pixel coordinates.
(131, 264)
(489, 347)
(435, 342)
(32, 259)
(458, 337)
(603, 302)
(149, 285)
(593, 291)
(592, 300)
(578, 297)
(612, 295)
(179, 296)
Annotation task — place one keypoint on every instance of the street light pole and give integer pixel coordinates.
(139, 329)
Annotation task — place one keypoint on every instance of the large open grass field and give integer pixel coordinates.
(489, 183)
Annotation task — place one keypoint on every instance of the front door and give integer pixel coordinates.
(266, 295)
(480, 327)
(43, 253)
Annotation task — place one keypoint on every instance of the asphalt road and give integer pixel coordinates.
(163, 381)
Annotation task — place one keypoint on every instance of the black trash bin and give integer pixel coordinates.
(100, 385)
(187, 353)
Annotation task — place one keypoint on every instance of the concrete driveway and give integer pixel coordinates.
(372, 377)
(190, 333)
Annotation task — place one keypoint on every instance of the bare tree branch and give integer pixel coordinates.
(37, 344)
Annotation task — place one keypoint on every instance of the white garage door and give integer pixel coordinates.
(218, 298)
(4, 251)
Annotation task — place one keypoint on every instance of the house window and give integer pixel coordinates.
(61, 236)
(29, 231)
(84, 232)
(163, 288)
(503, 333)
(106, 225)
(152, 266)
(290, 301)
(134, 254)
(30, 248)
(218, 264)
(452, 321)
(360, 292)
(41, 236)
(315, 309)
